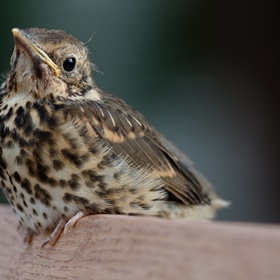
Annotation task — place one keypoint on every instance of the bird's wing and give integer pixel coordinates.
(128, 134)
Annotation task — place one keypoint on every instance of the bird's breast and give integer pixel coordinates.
(50, 167)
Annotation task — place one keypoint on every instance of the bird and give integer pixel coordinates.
(69, 149)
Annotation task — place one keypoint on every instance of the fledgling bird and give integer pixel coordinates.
(68, 149)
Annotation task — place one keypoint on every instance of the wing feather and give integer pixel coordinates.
(129, 135)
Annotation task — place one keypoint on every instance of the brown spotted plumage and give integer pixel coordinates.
(68, 149)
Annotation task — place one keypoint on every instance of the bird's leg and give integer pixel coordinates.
(26, 233)
(27, 237)
(56, 233)
(71, 223)
(63, 224)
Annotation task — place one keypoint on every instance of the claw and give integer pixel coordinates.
(71, 223)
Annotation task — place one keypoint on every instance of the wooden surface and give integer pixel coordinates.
(120, 247)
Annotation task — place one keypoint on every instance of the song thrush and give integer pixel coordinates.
(68, 149)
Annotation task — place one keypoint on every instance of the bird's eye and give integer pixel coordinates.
(69, 64)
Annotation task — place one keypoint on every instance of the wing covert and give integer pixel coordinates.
(128, 134)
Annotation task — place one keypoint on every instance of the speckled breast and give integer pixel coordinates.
(52, 167)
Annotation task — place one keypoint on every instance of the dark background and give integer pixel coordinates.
(205, 73)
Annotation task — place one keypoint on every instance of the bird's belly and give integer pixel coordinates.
(49, 173)
(37, 206)
(41, 194)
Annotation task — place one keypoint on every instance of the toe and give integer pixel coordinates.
(55, 234)
(71, 223)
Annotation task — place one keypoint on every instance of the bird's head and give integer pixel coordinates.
(49, 64)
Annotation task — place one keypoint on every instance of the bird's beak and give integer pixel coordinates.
(22, 41)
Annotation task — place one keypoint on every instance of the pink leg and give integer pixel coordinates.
(71, 223)
(62, 224)
(55, 234)
(27, 237)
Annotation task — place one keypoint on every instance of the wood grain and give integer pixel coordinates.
(121, 247)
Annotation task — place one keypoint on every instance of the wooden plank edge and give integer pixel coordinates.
(122, 247)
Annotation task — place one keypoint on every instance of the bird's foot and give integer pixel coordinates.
(62, 224)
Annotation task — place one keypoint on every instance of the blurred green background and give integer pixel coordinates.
(205, 73)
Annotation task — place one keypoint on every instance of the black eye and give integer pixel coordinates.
(69, 64)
